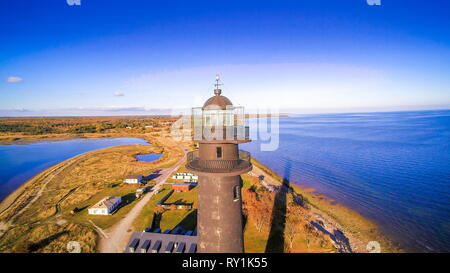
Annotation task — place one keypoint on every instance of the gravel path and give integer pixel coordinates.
(118, 235)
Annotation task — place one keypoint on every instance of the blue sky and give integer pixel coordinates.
(143, 57)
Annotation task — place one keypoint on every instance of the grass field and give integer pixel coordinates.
(184, 218)
(183, 197)
(45, 201)
(170, 218)
(127, 192)
(145, 218)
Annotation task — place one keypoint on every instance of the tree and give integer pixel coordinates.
(294, 225)
(159, 210)
(259, 208)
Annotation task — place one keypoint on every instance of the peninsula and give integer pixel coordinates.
(51, 209)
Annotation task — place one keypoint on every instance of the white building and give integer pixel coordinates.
(134, 179)
(105, 206)
(185, 176)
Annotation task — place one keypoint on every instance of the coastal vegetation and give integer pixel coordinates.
(320, 216)
(56, 200)
(50, 209)
(169, 218)
(277, 223)
(35, 128)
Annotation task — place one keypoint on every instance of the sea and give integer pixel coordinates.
(391, 167)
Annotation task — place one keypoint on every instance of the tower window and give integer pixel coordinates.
(236, 193)
(219, 152)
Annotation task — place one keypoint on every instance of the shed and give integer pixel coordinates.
(182, 187)
(132, 246)
(169, 247)
(180, 248)
(193, 248)
(134, 179)
(145, 246)
(156, 246)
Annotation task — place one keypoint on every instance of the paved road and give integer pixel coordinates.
(116, 238)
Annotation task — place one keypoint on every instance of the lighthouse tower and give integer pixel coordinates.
(219, 128)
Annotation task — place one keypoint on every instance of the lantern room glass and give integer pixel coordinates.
(230, 120)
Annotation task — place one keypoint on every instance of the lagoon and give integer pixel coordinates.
(20, 162)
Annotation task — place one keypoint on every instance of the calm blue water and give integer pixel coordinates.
(148, 157)
(393, 168)
(20, 162)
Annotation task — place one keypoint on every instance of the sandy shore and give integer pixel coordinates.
(349, 231)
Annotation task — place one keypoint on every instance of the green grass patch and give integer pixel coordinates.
(254, 241)
(127, 192)
(183, 197)
(174, 218)
(145, 218)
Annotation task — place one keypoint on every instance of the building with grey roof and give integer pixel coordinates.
(105, 206)
(149, 242)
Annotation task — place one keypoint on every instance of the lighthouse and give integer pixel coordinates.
(219, 128)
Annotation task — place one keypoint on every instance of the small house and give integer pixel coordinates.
(105, 206)
(134, 179)
(182, 187)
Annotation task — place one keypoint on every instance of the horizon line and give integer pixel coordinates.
(280, 113)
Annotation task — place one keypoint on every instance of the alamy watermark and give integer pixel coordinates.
(373, 247)
(212, 125)
(73, 2)
(373, 2)
(73, 247)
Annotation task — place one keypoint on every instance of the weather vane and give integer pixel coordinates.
(217, 84)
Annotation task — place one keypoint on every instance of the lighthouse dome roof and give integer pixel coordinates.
(217, 101)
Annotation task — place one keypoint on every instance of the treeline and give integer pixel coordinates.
(80, 125)
(26, 128)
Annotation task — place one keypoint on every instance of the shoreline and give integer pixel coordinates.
(16, 193)
(334, 215)
(337, 215)
(25, 139)
(39, 207)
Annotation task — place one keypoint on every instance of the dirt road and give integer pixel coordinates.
(115, 238)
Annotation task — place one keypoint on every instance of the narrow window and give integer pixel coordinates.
(219, 152)
(236, 193)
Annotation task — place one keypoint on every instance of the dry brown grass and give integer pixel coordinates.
(79, 182)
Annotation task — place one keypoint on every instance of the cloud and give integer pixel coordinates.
(13, 79)
(118, 94)
(88, 111)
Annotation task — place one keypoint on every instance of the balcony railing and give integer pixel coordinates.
(219, 165)
(221, 133)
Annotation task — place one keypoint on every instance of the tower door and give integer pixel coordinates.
(219, 152)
